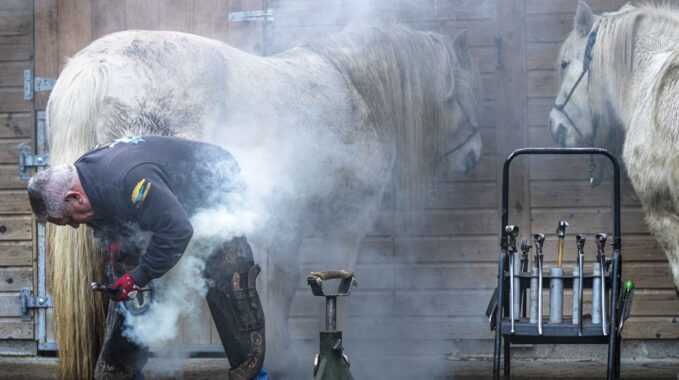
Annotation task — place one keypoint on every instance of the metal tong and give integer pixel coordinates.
(539, 239)
(525, 249)
(625, 306)
(601, 257)
(113, 291)
(512, 232)
(580, 239)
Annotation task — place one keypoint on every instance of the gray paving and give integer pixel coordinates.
(404, 368)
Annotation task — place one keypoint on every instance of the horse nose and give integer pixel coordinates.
(469, 161)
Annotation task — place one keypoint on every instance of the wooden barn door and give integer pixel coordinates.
(64, 27)
(17, 243)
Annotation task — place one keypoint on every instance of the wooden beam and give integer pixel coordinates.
(16, 253)
(9, 150)
(14, 328)
(176, 15)
(10, 304)
(26, 347)
(15, 125)
(15, 48)
(13, 279)
(14, 202)
(511, 110)
(12, 100)
(141, 14)
(211, 18)
(9, 177)
(46, 49)
(15, 22)
(15, 227)
(107, 17)
(74, 28)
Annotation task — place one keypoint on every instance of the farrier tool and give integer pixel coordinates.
(491, 310)
(601, 257)
(539, 239)
(136, 305)
(561, 233)
(580, 239)
(525, 249)
(625, 303)
(512, 232)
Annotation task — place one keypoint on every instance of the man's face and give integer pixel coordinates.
(78, 212)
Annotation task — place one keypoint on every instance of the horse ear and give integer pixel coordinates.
(583, 19)
(462, 49)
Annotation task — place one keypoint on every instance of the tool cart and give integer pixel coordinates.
(515, 281)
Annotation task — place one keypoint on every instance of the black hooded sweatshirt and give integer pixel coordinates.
(155, 183)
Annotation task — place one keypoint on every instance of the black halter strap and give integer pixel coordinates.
(587, 59)
(474, 130)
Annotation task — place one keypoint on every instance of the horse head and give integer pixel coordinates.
(572, 121)
(462, 141)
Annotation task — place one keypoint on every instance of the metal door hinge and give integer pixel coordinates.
(32, 84)
(247, 16)
(27, 160)
(29, 302)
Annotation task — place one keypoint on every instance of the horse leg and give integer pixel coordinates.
(282, 280)
(664, 225)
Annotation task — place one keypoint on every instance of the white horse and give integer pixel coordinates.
(319, 131)
(620, 75)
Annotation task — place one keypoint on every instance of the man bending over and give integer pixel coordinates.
(155, 184)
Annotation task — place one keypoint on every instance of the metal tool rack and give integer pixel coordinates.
(563, 333)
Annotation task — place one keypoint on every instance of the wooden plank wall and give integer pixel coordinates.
(16, 227)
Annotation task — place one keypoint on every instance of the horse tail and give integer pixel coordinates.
(79, 313)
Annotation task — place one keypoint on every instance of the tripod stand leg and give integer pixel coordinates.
(499, 311)
(508, 357)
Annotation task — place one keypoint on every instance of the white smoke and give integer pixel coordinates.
(271, 169)
(178, 294)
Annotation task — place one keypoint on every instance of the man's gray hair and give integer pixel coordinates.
(47, 189)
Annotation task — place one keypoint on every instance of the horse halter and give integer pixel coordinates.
(474, 130)
(585, 70)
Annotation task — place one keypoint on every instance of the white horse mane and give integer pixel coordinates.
(615, 48)
(400, 93)
(634, 84)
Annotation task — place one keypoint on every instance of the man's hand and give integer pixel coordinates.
(128, 288)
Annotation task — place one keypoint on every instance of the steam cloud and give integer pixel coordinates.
(266, 172)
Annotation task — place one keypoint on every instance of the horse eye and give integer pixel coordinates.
(564, 64)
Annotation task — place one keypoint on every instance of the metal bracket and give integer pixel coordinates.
(32, 84)
(343, 289)
(247, 16)
(28, 302)
(27, 160)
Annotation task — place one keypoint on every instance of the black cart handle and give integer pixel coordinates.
(599, 151)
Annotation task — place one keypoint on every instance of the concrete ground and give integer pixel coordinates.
(406, 360)
(194, 369)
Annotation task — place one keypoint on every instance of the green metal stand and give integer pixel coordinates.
(331, 363)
